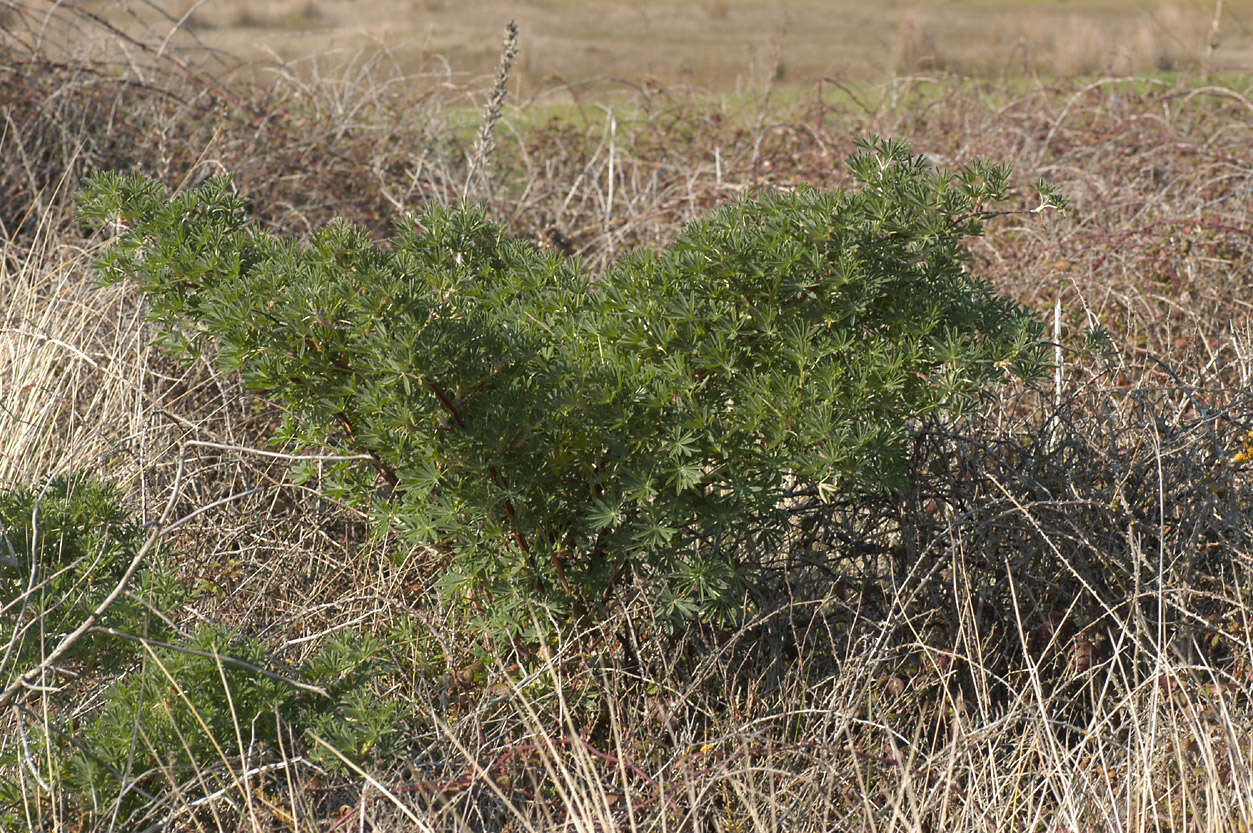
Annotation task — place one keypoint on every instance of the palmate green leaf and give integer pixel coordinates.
(524, 415)
(601, 515)
(685, 477)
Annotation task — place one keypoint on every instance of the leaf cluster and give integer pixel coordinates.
(561, 436)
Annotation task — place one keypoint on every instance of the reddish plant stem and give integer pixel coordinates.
(546, 745)
(192, 74)
(492, 472)
(387, 472)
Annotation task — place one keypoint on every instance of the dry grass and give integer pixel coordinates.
(1050, 632)
(63, 365)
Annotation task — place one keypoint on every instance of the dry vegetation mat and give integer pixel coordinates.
(1044, 624)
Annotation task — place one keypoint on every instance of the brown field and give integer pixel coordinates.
(1053, 629)
(718, 45)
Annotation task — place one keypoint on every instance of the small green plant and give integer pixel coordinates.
(200, 712)
(193, 715)
(65, 546)
(172, 710)
(559, 436)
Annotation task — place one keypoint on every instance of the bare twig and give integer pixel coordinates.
(238, 663)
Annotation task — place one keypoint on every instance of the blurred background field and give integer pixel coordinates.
(715, 45)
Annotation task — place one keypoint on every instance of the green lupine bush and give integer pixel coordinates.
(171, 711)
(557, 435)
(66, 546)
(189, 720)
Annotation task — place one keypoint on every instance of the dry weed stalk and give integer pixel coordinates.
(478, 175)
(1214, 39)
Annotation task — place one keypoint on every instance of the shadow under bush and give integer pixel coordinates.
(1045, 562)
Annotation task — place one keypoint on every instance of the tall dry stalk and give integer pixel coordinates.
(1214, 39)
(477, 178)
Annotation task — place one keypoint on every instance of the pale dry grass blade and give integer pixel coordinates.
(73, 359)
